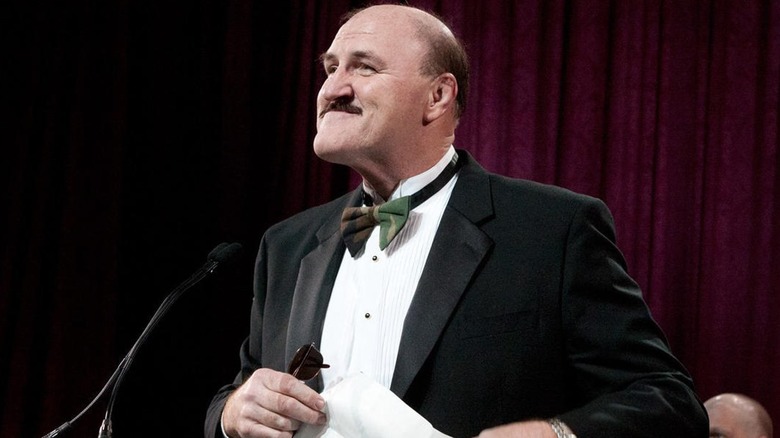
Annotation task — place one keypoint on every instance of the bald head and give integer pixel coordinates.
(444, 52)
(737, 416)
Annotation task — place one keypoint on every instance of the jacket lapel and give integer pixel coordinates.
(458, 249)
(313, 288)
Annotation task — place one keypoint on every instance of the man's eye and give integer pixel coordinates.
(330, 69)
(366, 68)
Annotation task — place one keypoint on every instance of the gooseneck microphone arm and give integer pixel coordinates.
(219, 255)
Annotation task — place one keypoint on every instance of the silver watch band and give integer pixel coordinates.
(560, 429)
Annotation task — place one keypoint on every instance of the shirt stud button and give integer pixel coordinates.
(367, 315)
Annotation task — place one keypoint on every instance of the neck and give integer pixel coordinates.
(385, 187)
(385, 173)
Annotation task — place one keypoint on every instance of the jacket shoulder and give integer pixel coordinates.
(543, 202)
(308, 222)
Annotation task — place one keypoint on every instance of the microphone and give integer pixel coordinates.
(222, 253)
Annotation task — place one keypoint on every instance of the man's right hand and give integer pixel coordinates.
(271, 404)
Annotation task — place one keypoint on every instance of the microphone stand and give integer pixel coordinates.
(222, 253)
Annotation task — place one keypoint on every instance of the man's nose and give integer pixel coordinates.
(337, 85)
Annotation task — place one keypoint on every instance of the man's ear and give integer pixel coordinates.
(441, 97)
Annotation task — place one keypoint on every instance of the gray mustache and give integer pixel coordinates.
(340, 105)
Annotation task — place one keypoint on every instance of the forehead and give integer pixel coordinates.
(723, 417)
(389, 34)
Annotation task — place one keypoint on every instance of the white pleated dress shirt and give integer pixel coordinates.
(373, 290)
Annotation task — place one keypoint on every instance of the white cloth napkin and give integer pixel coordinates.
(358, 407)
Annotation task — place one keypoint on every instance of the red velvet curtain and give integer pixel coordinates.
(137, 135)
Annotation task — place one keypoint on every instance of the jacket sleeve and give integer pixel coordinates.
(618, 359)
(212, 427)
(249, 354)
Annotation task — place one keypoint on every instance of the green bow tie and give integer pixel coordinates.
(358, 222)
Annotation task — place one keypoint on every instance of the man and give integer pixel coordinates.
(501, 308)
(737, 416)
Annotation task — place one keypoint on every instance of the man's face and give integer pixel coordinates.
(373, 98)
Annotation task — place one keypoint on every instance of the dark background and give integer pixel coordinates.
(138, 135)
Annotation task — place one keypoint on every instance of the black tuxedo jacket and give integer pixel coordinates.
(524, 310)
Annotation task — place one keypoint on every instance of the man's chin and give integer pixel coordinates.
(332, 152)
